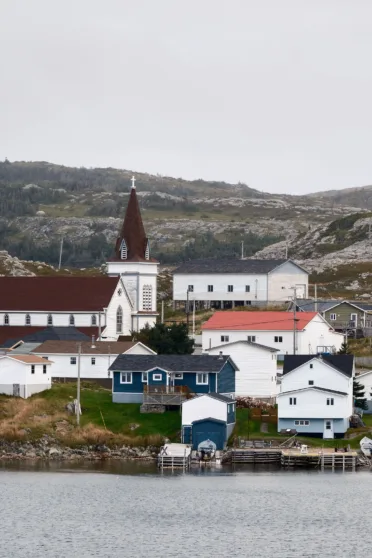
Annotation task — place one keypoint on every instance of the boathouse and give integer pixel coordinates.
(168, 380)
(209, 417)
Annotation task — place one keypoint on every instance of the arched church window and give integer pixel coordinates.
(28, 319)
(6, 319)
(147, 297)
(72, 320)
(50, 320)
(123, 250)
(119, 320)
(94, 320)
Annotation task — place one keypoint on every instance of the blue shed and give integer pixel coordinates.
(209, 429)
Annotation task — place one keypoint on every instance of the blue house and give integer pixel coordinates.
(209, 417)
(170, 379)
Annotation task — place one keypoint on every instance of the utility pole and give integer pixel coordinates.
(316, 297)
(99, 326)
(187, 309)
(294, 320)
(193, 320)
(78, 388)
(242, 249)
(60, 254)
(162, 311)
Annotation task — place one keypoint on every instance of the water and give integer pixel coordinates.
(135, 511)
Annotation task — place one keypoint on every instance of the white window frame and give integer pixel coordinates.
(119, 322)
(6, 319)
(145, 377)
(225, 338)
(44, 368)
(73, 361)
(32, 369)
(28, 320)
(49, 320)
(190, 288)
(330, 401)
(251, 339)
(210, 288)
(204, 380)
(128, 378)
(178, 376)
(302, 423)
(93, 320)
(71, 320)
(93, 361)
(230, 288)
(247, 288)
(333, 317)
(157, 377)
(293, 400)
(311, 382)
(278, 339)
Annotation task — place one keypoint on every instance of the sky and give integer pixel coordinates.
(276, 94)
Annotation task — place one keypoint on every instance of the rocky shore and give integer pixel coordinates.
(48, 448)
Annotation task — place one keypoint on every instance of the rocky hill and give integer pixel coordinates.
(40, 203)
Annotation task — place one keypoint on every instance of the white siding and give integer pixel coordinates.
(60, 319)
(62, 367)
(366, 381)
(321, 374)
(256, 376)
(220, 282)
(203, 407)
(312, 404)
(282, 279)
(16, 372)
(117, 300)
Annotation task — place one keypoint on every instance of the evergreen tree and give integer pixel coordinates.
(344, 349)
(166, 340)
(358, 395)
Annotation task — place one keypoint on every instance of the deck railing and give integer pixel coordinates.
(171, 390)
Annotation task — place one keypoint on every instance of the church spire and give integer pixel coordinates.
(132, 244)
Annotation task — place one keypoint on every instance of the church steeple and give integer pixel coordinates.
(132, 245)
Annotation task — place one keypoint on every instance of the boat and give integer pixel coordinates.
(366, 446)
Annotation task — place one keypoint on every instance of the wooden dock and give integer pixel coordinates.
(174, 456)
(251, 455)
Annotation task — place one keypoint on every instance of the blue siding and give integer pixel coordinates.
(189, 380)
(162, 382)
(226, 379)
(135, 387)
(209, 429)
(231, 413)
(187, 434)
(316, 426)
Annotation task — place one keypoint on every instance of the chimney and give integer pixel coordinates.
(93, 345)
(220, 356)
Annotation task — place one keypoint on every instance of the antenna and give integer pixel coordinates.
(60, 254)
(242, 249)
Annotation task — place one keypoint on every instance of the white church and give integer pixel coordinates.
(107, 307)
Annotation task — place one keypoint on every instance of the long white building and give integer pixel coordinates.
(273, 329)
(231, 282)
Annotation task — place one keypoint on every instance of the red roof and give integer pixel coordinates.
(258, 321)
(58, 294)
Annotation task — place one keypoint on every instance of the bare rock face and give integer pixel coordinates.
(13, 266)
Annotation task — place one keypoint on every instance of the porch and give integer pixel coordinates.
(165, 395)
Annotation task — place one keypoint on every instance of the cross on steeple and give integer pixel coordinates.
(133, 183)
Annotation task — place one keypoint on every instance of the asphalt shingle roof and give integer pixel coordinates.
(10, 335)
(229, 266)
(171, 363)
(342, 363)
(314, 387)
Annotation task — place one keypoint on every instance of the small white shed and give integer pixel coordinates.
(24, 375)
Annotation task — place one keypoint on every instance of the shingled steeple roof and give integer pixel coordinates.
(132, 244)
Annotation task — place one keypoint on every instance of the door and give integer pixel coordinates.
(353, 320)
(328, 429)
(16, 390)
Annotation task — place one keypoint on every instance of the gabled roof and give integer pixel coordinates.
(258, 321)
(87, 348)
(170, 363)
(58, 294)
(28, 359)
(229, 266)
(342, 363)
(133, 233)
(213, 395)
(249, 343)
(10, 335)
(316, 388)
(325, 305)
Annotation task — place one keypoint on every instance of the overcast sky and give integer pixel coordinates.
(273, 93)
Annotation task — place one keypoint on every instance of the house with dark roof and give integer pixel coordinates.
(113, 305)
(257, 367)
(208, 418)
(227, 283)
(167, 380)
(316, 396)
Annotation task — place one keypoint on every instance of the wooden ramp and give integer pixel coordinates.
(319, 459)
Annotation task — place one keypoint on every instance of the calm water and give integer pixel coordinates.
(134, 511)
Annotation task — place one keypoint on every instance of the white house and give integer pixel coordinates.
(230, 282)
(257, 368)
(95, 357)
(208, 417)
(24, 375)
(310, 333)
(316, 395)
(366, 380)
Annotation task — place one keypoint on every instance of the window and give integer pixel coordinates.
(32, 369)
(302, 422)
(50, 320)
(147, 251)
(311, 382)
(157, 377)
(230, 288)
(278, 339)
(224, 338)
(251, 339)
(120, 292)
(210, 288)
(201, 379)
(248, 303)
(333, 317)
(71, 320)
(6, 319)
(293, 401)
(73, 360)
(93, 361)
(178, 376)
(123, 250)
(44, 368)
(190, 288)
(28, 319)
(328, 425)
(147, 297)
(45, 358)
(93, 320)
(330, 401)
(311, 365)
(247, 288)
(145, 377)
(119, 320)
(126, 378)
